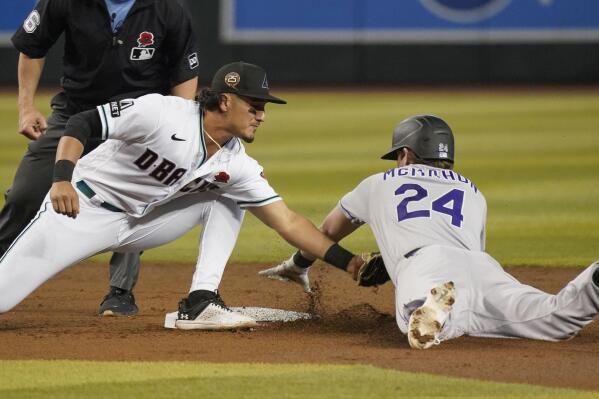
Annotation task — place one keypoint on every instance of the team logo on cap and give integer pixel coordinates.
(143, 52)
(265, 83)
(232, 79)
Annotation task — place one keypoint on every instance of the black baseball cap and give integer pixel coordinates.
(244, 79)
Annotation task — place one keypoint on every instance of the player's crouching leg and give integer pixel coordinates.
(14, 286)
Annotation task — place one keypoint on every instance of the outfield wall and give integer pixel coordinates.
(364, 42)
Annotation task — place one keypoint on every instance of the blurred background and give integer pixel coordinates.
(517, 80)
(381, 42)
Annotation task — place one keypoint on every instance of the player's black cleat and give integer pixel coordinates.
(205, 310)
(118, 302)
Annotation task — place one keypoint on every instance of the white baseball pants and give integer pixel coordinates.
(52, 242)
(489, 301)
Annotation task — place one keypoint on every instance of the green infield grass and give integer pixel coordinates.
(535, 156)
(80, 379)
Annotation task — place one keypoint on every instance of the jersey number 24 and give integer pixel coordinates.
(441, 204)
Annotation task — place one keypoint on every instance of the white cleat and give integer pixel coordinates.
(427, 321)
(289, 271)
(211, 315)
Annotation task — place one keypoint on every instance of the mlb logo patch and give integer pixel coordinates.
(141, 53)
(193, 60)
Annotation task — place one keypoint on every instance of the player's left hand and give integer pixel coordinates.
(353, 268)
(289, 271)
(64, 199)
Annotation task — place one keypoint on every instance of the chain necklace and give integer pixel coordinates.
(210, 137)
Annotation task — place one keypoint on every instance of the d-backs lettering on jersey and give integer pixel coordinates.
(418, 205)
(155, 152)
(233, 174)
(198, 185)
(164, 171)
(140, 163)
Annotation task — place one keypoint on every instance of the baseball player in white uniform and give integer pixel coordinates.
(167, 165)
(429, 224)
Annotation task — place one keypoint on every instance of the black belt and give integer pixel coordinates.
(412, 252)
(89, 193)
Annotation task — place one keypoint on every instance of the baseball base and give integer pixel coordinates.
(261, 315)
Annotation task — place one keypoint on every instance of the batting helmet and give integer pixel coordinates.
(427, 135)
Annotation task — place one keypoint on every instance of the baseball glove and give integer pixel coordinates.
(373, 271)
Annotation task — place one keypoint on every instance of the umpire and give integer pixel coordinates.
(113, 49)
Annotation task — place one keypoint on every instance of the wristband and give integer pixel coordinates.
(63, 170)
(301, 260)
(338, 256)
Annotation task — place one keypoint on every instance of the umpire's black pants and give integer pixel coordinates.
(32, 182)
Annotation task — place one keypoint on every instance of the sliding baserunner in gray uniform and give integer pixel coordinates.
(429, 224)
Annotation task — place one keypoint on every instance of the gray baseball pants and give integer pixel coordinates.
(490, 302)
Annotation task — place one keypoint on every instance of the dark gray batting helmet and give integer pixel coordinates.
(427, 135)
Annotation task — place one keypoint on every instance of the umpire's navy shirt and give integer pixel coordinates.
(153, 49)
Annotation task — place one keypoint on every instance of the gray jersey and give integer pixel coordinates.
(443, 214)
(155, 152)
(416, 206)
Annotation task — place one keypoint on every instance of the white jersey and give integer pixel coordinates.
(416, 206)
(155, 151)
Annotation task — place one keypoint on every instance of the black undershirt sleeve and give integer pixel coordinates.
(84, 125)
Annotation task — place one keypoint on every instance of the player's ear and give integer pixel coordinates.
(224, 102)
(400, 155)
(404, 157)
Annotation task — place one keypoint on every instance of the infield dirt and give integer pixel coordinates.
(355, 326)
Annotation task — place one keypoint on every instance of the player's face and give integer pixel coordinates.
(247, 114)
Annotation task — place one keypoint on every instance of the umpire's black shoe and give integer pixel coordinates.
(118, 302)
(205, 310)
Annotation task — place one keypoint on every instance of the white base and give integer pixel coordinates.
(259, 314)
(170, 319)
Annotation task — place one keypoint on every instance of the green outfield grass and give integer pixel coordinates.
(534, 156)
(77, 379)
